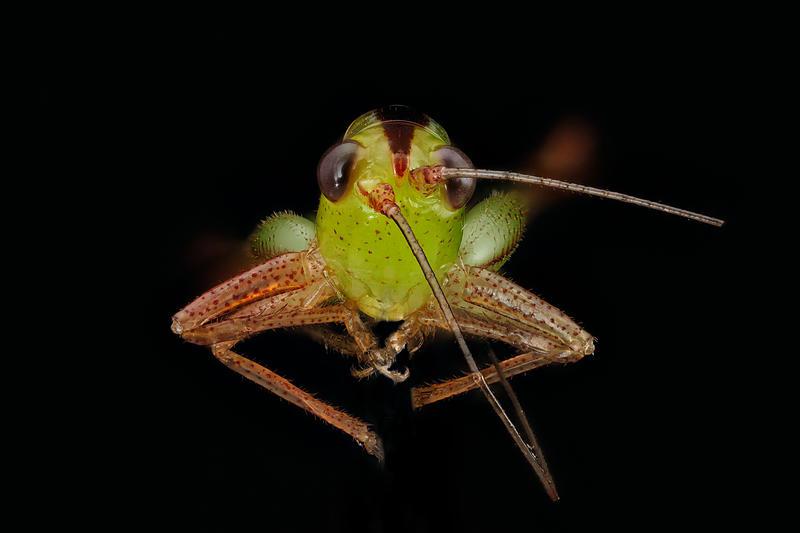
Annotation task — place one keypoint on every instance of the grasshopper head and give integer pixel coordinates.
(381, 147)
(370, 169)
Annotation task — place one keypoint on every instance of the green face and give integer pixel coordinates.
(368, 257)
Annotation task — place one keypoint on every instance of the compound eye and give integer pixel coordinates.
(457, 191)
(333, 171)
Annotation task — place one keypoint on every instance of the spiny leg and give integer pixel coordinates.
(495, 328)
(489, 306)
(281, 311)
(361, 343)
(517, 335)
(278, 275)
(494, 301)
(332, 340)
(408, 336)
(282, 387)
(287, 289)
(281, 240)
(228, 314)
(518, 364)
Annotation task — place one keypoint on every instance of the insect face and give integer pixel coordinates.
(364, 251)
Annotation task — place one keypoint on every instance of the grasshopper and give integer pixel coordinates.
(393, 241)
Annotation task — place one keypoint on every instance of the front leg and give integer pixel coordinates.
(436, 392)
(361, 343)
(489, 306)
(408, 336)
(285, 291)
(282, 387)
(493, 306)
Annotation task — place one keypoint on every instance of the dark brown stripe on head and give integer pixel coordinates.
(399, 135)
(398, 125)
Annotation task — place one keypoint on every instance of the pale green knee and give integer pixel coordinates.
(492, 230)
(281, 233)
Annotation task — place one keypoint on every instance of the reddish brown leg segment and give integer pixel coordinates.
(280, 274)
(291, 393)
(287, 290)
(489, 306)
(425, 395)
(493, 299)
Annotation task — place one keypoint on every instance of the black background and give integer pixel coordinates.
(204, 133)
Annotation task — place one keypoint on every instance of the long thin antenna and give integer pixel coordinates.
(523, 419)
(447, 173)
(393, 211)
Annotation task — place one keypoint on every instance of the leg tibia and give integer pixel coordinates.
(288, 391)
(519, 364)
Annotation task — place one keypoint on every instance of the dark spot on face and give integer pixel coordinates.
(398, 126)
(399, 135)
